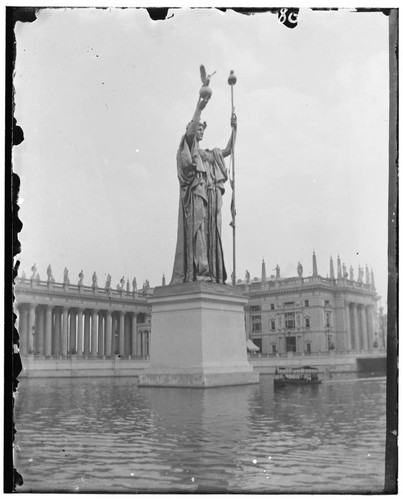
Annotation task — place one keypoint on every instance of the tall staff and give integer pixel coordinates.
(232, 82)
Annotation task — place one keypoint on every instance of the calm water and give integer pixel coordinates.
(108, 435)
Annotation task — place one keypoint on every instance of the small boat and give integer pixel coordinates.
(301, 375)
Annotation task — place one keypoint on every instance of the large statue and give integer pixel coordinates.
(94, 280)
(202, 174)
(81, 277)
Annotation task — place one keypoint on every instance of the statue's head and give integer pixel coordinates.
(200, 130)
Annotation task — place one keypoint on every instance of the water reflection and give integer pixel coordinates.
(108, 435)
(209, 427)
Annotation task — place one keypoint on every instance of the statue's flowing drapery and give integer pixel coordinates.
(199, 253)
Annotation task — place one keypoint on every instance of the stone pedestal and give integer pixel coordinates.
(198, 337)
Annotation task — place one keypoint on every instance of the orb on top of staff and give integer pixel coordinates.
(232, 78)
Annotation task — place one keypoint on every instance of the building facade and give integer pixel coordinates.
(295, 314)
(60, 319)
(313, 314)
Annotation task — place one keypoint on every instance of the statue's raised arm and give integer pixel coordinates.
(191, 129)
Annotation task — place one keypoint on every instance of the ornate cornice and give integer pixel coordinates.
(77, 296)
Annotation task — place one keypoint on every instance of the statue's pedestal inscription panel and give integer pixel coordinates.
(198, 337)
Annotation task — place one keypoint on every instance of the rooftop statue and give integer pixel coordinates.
(351, 273)
(134, 284)
(81, 277)
(66, 276)
(121, 285)
(50, 274)
(202, 174)
(33, 269)
(367, 277)
(108, 281)
(94, 280)
(299, 269)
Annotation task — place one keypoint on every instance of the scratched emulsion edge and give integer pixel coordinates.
(391, 459)
(13, 225)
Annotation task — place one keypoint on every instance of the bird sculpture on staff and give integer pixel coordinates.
(205, 91)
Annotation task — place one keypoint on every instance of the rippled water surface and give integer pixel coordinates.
(108, 435)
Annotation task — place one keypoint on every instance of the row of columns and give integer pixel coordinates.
(58, 331)
(360, 329)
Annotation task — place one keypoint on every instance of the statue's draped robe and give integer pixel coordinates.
(199, 253)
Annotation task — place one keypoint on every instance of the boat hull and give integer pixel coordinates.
(285, 383)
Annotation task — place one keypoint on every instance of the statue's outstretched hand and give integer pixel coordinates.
(234, 121)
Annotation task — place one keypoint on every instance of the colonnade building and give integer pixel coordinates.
(61, 319)
(313, 314)
(296, 314)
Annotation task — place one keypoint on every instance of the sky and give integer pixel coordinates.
(104, 95)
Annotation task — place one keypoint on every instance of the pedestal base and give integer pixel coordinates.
(197, 379)
(198, 337)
